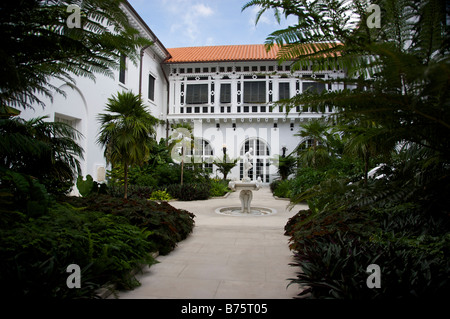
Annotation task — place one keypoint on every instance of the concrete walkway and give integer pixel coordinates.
(226, 257)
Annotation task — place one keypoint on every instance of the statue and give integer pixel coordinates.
(246, 198)
(246, 186)
(247, 164)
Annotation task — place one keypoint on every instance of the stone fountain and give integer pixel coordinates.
(246, 187)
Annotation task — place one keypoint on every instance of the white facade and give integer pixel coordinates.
(86, 99)
(240, 120)
(191, 93)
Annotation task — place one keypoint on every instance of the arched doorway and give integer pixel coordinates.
(260, 161)
(203, 153)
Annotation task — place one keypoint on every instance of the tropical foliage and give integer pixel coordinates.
(225, 165)
(47, 151)
(38, 46)
(393, 107)
(126, 132)
(42, 231)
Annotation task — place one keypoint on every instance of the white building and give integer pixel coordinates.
(228, 93)
(225, 92)
(86, 99)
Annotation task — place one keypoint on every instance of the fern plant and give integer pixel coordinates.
(39, 46)
(160, 195)
(393, 103)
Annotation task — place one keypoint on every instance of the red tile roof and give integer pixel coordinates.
(252, 52)
(221, 53)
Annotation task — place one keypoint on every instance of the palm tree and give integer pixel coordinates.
(317, 153)
(38, 46)
(126, 132)
(44, 150)
(366, 140)
(184, 140)
(225, 165)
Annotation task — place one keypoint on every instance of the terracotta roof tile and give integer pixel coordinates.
(221, 53)
(251, 52)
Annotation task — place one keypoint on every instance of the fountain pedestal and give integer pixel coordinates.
(246, 195)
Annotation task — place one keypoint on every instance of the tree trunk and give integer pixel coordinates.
(125, 175)
(182, 168)
(366, 167)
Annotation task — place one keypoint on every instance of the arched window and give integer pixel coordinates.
(260, 162)
(307, 143)
(203, 153)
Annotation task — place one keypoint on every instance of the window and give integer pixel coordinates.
(203, 153)
(151, 87)
(225, 93)
(197, 94)
(260, 161)
(73, 122)
(307, 143)
(123, 67)
(313, 86)
(69, 121)
(284, 91)
(255, 92)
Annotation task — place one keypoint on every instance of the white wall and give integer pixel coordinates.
(257, 122)
(87, 99)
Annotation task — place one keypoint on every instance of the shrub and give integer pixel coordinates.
(35, 253)
(306, 178)
(219, 187)
(134, 191)
(335, 267)
(188, 192)
(274, 184)
(283, 188)
(146, 180)
(85, 186)
(167, 224)
(337, 238)
(160, 195)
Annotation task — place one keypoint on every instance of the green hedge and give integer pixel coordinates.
(167, 224)
(337, 238)
(107, 237)
(35, 253)
(189, 192)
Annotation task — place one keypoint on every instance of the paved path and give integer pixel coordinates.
(226, 257)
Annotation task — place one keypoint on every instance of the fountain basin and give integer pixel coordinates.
(238, 185)
(246, 187)
(237, 211)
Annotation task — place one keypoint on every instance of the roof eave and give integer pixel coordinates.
(147, 28)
